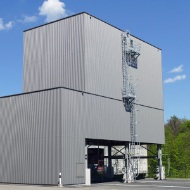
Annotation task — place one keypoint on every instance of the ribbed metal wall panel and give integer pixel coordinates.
(44, 133)
(94, 117)
(88, 116)
(103, 64)
(84, 53)
(30, 138)
(149, 75)
(150, 128)
(54, 55)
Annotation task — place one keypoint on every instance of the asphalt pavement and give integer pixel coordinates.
(147, 184)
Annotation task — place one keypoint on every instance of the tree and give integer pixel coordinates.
(174, 124)
(176, 148)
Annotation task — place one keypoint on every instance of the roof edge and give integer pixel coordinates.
(55, 21)
(71, 89)
(94, 17)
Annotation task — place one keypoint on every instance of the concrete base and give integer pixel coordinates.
(88, 176)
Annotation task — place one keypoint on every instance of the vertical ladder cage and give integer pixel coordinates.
(130, 54)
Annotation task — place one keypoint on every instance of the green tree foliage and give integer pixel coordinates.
(176, 151)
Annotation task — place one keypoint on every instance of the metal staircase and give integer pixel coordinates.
(130, 54)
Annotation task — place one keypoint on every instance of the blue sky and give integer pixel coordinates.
(163, 23)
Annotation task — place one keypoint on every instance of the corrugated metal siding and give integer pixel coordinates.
(103, 64)
(53, 55)
(84, 53)
(151, 126)
(30, 138)
(44, 133)
(149, 75)
(88, 116)
(95, 117)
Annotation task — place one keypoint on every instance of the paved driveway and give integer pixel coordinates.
(138, 185)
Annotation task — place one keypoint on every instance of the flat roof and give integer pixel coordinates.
(91, 16)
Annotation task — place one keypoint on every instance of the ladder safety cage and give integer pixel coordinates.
(130, 54)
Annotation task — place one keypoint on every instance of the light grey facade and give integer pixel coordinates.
(74, 66)
(84, 53)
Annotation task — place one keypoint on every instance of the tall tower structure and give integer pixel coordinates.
(72, 100)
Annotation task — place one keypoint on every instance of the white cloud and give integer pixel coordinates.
(28, 19)
(177, 69)
(6, 26)
(53, 10)
(176, 78)
(9, 25)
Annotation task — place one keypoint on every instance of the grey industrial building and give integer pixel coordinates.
(72, 99)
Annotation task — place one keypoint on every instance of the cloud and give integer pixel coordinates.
(176, 78)
(28, 19)
(53, 10)
(9, 25)
(177, 69)
(6, 26)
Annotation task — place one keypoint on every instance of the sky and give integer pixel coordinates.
(163, 23)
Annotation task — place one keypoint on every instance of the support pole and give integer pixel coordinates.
(109, 156)
(126, 174)
(110, 168)
(60, 183)
(159, 149)
(87, 170)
